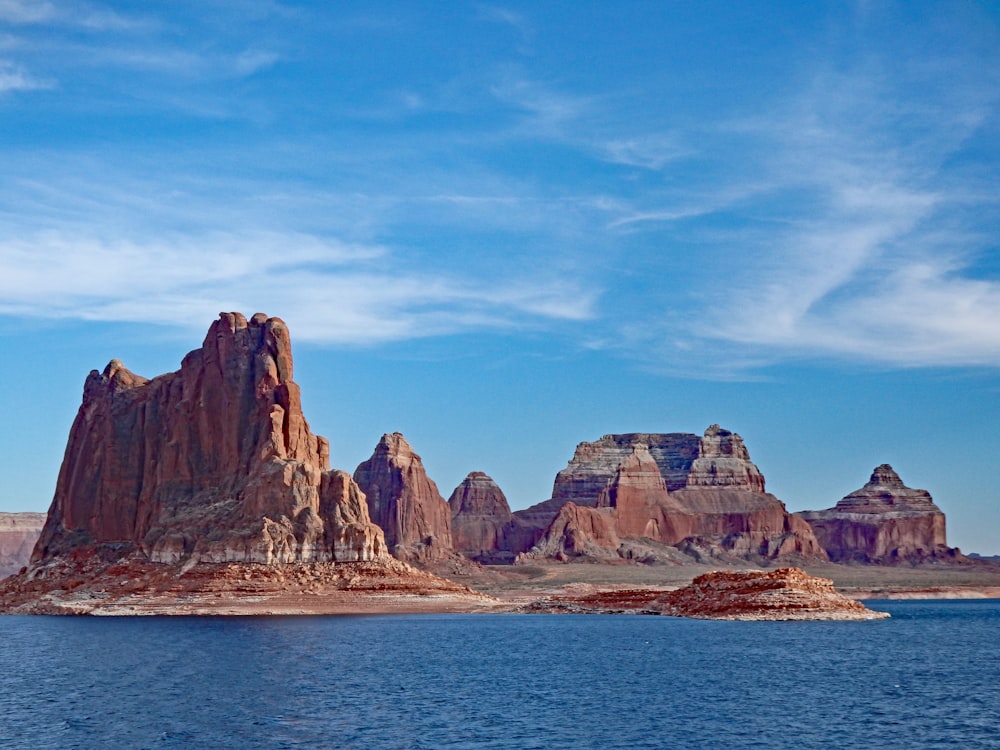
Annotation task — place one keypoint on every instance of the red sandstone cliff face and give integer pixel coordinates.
(479, 515)
(703, 495)
(214, 462)
(883, 522)
(575, 532)
(18, 534)
(404, 502)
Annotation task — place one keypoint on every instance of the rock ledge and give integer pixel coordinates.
(782, 594)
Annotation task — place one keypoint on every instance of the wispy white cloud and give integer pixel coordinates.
(15, 78)
(653, 151)
(334, 292)
(26, 11)
(69, 13)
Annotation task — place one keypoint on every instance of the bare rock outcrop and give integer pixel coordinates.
(577, 532)
(405, 502)
(884, 522)
(212, 463)
(701, 494)
(479, 515)
(18, 534)
(783, 594)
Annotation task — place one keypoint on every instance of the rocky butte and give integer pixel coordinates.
(702, 496)
(479, 515)
(884, 522)
(212, 465)
(18, 534)
(405, 502)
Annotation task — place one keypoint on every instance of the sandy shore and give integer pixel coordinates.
(399, 589)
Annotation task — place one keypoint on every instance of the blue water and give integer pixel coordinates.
(927, 678)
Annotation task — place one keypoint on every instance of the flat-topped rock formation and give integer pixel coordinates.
(405, 502)
(703, 495)
(883, 522)
(18, 534)
(783, 594)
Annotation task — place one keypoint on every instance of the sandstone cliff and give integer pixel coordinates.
(405, 502)
(214, 463)
(479, 515)
(703, 495)
(18, 534)
(883, 522)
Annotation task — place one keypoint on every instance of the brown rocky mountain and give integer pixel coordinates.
(883, 522)
(214, 462)
(18, 534)
(702, 495)
(479, 515)
(405, 502)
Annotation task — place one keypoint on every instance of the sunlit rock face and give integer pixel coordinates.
(405, 502)
(702, 494)
(883, 522)
(479, 515)
(214, 462)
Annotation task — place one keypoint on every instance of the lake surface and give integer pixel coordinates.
(927, 678)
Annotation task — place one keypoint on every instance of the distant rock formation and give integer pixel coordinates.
(578, 532)
(212, 463)
(18, 534)
(405, 502)
(703, 495)
(783, 594)
(479, 515)
(884, 522)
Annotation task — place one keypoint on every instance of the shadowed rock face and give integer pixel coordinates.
(18, 534)
(883, 522)
(214, 461)
(479, 514)
(405, 503)
(678, 489)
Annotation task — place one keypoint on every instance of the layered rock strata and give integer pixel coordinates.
(405, 502)
(783, 594)
(703, 495)
(480, 514)
(18, 534)
(884, 522)
(212, 463)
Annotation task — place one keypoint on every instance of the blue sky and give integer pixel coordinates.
(506, 228)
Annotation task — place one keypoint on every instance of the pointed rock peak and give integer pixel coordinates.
(721, 442)
(118, 376)
(479, 477)
(394, 444)
(885, 476)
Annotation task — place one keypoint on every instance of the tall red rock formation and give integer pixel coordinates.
(214, 462)
(405, 502)
(479, 514)
(883, 522)
(643, 507)
(18, 534)
(575, 532)
(704, 494)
